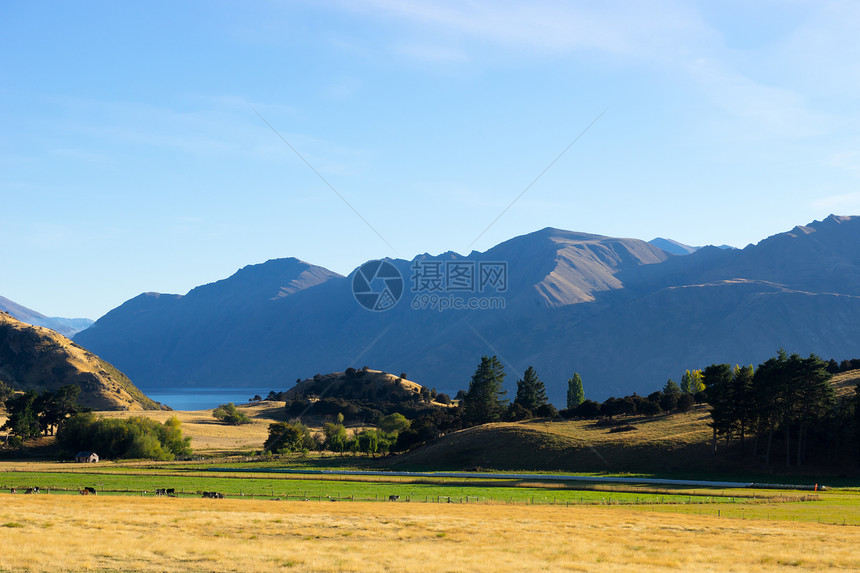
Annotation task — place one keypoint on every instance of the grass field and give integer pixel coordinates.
(492, 524)
(64, 533)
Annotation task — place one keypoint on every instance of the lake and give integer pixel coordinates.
(202, 398)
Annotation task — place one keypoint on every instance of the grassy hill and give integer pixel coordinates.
(37, 358)
(662, 443)
(362, 385)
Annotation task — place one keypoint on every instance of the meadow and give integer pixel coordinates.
(65, 533)
(274, 521)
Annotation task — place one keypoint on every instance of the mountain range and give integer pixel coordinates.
(624, 313)
(64, 326)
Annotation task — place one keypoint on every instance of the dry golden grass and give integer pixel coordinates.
(209, 435)
(66, 533)
(844, 383)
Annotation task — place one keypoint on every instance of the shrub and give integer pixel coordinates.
(517, 412)
(588, 409)
(669, 401)
(649, 408)
(443, 399)
(229, 414)
(546, 411)
(685, 402)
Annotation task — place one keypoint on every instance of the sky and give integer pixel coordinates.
(157, 146)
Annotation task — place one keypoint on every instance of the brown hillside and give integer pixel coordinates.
(37, 358)
(369, 385)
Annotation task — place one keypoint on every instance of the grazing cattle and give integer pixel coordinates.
(90, 490)
(13, 490)
(213, 495)
(32, 490)
(160, 492)
(393, 497)
(171, 491)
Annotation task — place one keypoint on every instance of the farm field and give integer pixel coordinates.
(66, 533)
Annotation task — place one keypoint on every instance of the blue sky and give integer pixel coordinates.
(133, 158)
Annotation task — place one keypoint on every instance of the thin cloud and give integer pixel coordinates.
(765, 110)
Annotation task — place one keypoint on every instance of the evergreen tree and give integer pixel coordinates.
(686, 383)
(23, 419)
(815, 399)
(531, 393)
(718, 386)
(671, 387)
(575, 392)
(484, 401)
(742, 403)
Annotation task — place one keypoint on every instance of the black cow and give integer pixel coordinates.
(393, 497)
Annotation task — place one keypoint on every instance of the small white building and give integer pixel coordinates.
(86, 457)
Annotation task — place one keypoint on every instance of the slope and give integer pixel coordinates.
(37, 358)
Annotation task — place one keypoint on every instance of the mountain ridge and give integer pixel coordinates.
(64, 326)
(623, 313)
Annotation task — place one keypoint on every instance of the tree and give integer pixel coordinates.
(230, 414)
(336, 439)
(55, 407)
(742, 399)
(531, 393)
(575, 392)
(23, 419)
(393, 424)
(285, 437)
(718, 385)
(484, 401)
(671, 387)
(5, 392)
(691, 382)
(815, 398)
(367, 441)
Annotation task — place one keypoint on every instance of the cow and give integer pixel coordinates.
(393, 497)
(90, 490)
(13, 490)
(32, 490)
(171, 492)
(213, 495)
(160, 491)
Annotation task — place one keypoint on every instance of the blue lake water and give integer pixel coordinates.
(202, 398)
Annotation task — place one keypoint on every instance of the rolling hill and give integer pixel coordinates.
(661, 444)
(37, 358)
(623, 313)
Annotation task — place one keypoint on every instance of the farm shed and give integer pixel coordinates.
(86, 457)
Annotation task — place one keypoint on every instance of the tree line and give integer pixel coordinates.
(786, 400)
(31, 414)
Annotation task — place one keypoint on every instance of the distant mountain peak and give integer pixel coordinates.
(674, 247)
(65, 326)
